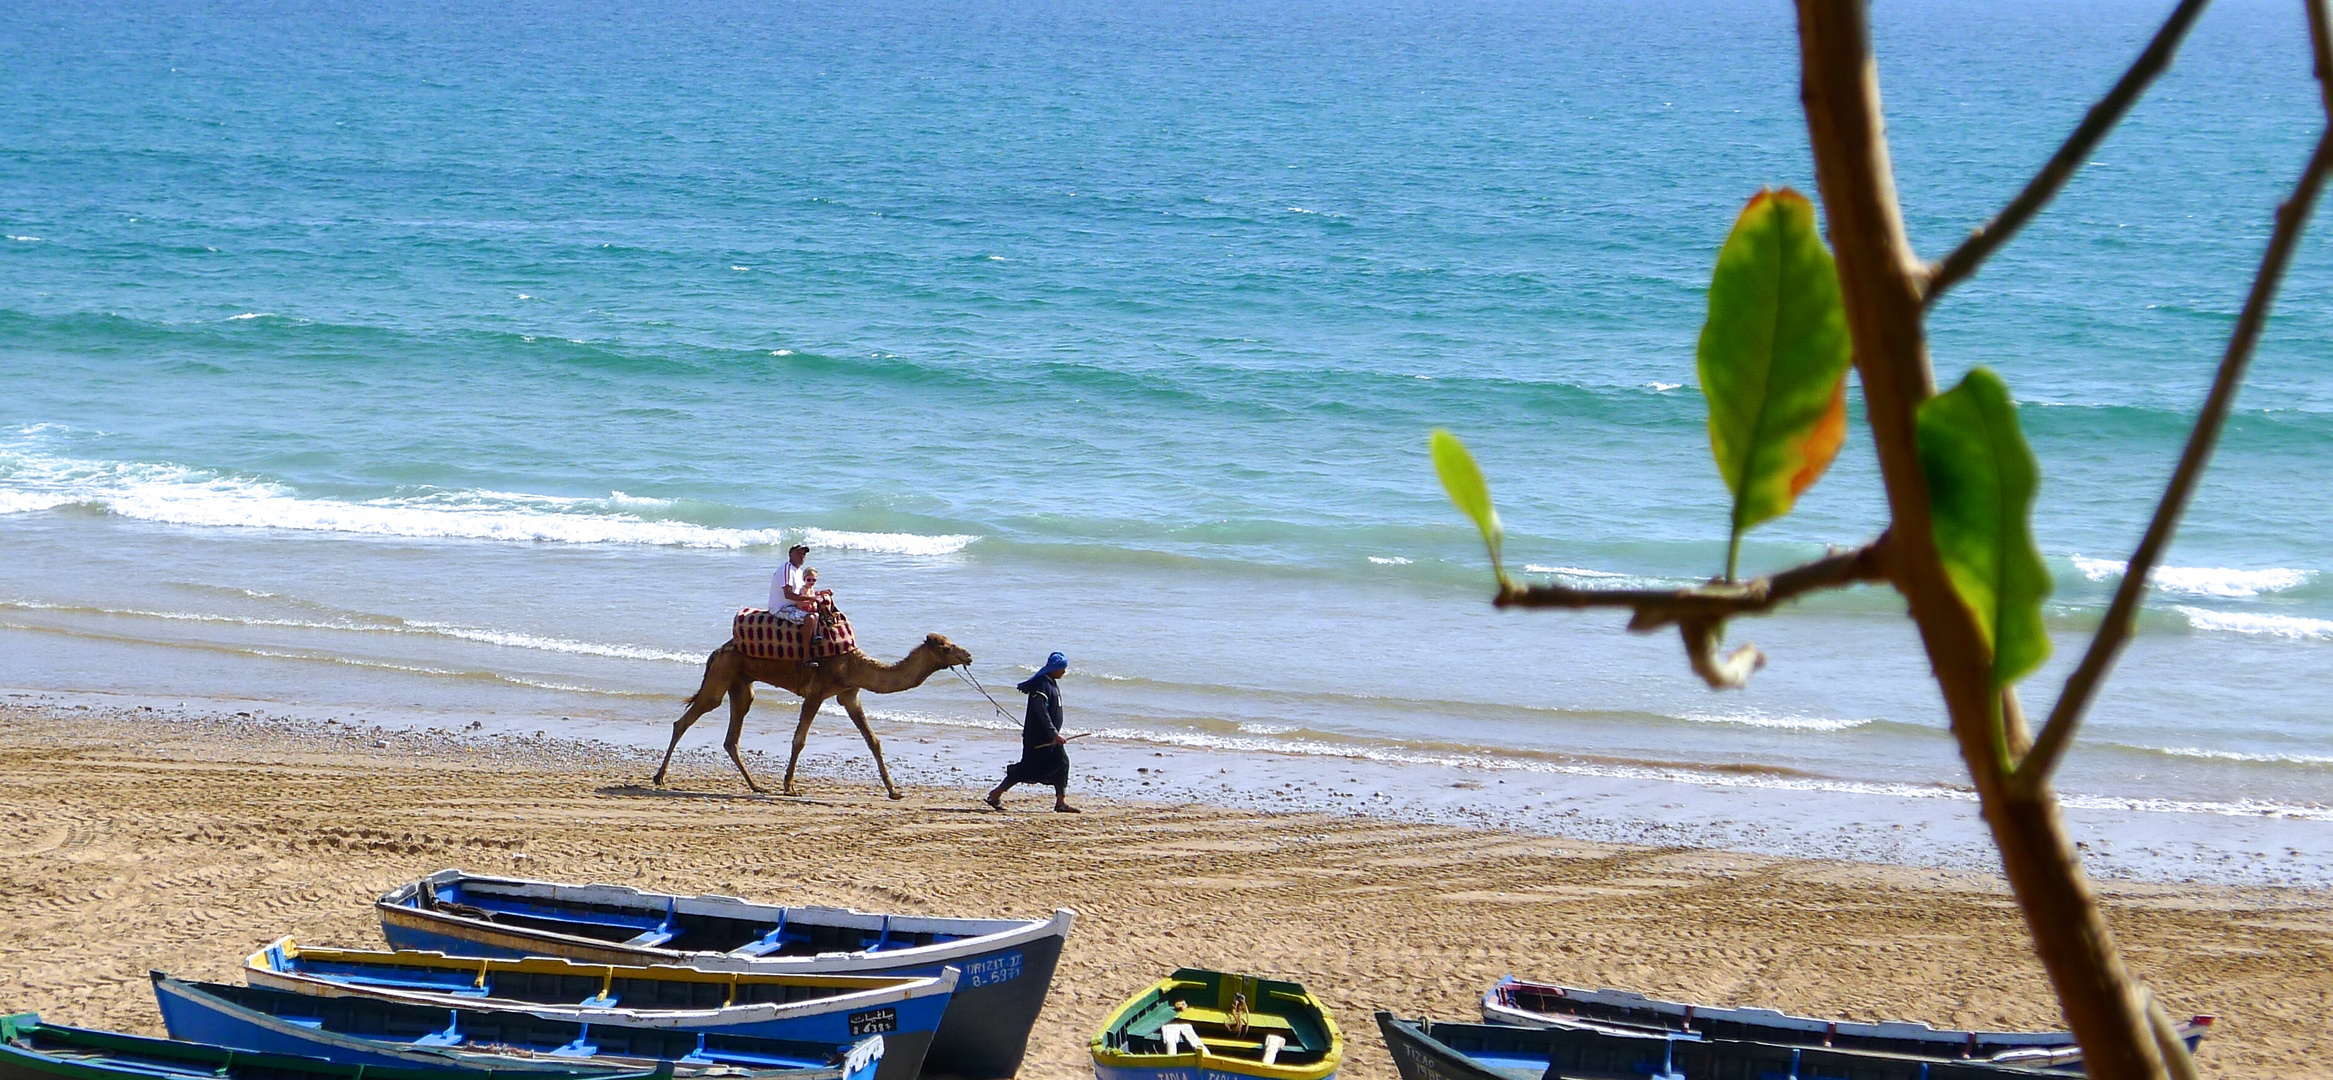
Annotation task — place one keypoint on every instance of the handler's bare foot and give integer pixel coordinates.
(992, 802)
(1065, 808)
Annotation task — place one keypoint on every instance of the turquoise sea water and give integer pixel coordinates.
(488, 360)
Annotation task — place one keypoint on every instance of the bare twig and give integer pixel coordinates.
(1699, 613)
(2114, 630)
(1715, 602)
(2062, 165)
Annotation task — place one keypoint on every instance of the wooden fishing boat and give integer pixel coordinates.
(831, 1009)
(398, 1034)
(1526, 1004)
(1434, 1050)
(1208, 1025)
(31, 1050)
(1007, 964)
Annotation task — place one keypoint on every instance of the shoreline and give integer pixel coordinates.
(181, 840)
(1751, 812)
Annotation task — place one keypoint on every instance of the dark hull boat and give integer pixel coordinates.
(829, 1009)
(1431, 1050)
(372, 1032)
(1007, 964)
(31, 1050)
(1527, 1004)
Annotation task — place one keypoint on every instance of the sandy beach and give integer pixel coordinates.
(147, 838)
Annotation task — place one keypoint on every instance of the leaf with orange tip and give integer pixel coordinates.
(1773, 360)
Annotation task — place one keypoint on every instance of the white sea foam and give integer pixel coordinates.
(382, 625)
(1664, 387)
(1757, 719)
(21, 502)
(2215, 581)
(1581, 576)
(2238, 622)
(1493, 762)
(178, 495)
(1389, 560)
(2238, 755)
(889, 543)
(551, 644)
(251, 315)
(25, 239)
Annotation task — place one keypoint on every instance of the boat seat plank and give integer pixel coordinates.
(1220, 1018)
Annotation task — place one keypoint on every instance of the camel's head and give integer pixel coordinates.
(950, 653)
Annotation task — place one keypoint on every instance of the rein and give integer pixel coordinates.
(965, 673)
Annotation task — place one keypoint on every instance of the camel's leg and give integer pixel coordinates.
(850, 704)
(810, 706)
(740, 699)
(708, 695)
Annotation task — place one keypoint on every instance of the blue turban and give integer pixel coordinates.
(1054, 665)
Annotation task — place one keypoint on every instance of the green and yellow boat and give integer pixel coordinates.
(1209, 1025)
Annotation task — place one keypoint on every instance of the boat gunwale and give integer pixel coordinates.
(899, 989)
(401, 905)
(2037, 1044)
(532, 1063)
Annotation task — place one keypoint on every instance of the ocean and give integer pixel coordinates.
(482, 363)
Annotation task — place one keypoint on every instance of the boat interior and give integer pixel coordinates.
(496, 1031)
(1227, 1016)
(558, 982)
(794, 931)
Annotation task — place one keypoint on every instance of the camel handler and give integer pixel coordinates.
(792, 597)
(1043, 759)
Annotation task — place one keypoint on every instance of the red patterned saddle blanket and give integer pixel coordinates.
(764, 636)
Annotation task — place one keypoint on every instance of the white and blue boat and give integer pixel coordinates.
(1006, 964)
(32, 1050)
(405, 1035)
(905, 1009)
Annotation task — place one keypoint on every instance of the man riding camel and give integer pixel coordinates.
(794, 597)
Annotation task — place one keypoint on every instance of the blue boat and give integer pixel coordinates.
(1007, 964)
(396, 1034)
(1433, 1050)
(32, 1050)
(829, 1009)
(1528, 1004)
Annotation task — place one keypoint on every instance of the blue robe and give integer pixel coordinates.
(1041, 761)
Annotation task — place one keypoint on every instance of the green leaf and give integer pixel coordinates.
(1773, 360)
(1981, 481)
(1462, 479)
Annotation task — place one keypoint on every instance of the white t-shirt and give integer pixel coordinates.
(788, 576)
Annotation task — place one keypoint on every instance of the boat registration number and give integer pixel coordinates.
(993, 970)
(874, 1021)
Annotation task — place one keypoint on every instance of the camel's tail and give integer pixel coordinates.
(717, 688)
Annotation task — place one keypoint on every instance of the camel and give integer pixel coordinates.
(730, 673)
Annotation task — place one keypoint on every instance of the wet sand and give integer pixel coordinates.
(142, 838)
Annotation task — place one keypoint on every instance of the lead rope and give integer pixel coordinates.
(965, 673)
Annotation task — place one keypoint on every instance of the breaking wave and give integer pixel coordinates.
(183, 495)
(2214, 581)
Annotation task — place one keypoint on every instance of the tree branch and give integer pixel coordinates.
(2062, 165)
(2292, 217)
(1882, 282)
(1699, 613)
(1715, 602)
